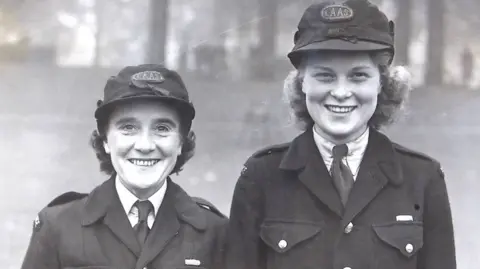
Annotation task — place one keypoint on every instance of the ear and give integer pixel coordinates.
(380, 87)
(106, 147)
(179, 150)
(303, 87)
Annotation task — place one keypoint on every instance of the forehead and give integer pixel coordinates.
(145, 110)
(338, 59)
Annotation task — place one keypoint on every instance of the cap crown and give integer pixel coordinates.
(145, 81)
(352, 20)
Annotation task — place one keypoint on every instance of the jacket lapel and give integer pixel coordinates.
(303, 156)
(378, 168)
(103, 203)
(176, 204)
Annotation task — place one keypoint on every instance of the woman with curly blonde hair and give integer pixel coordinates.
(342, 194)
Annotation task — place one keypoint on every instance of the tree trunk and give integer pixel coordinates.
(157, 31)
(265, 53)
(98, 32)
(436, 42)
(403, 32)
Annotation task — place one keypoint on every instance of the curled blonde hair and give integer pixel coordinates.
(396, 86)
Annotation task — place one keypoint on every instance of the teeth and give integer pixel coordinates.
(143, 162)
(340, 109)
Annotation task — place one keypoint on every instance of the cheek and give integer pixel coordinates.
(367, 95)
(170, 146)
(314, 90)
(119, 144)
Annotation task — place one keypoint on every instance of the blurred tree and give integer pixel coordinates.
(264, 55)
(99, 9)
(436, 43)
(157, 31)
(403, 31)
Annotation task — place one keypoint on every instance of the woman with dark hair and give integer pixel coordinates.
(139, 218)
(342, 195)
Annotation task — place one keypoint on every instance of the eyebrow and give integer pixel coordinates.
(167, 121)
(125, 120)
(324, 68)
(356, 68)
(156, 121)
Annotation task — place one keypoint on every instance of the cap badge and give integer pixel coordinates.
(148, 76)
(337, 13)
(148, 80)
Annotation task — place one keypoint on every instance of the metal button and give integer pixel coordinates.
(349, 227)
(282, 244)
(347, 267)
(409, 248)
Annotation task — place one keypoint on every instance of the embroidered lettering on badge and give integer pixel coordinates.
(148, 76)
(149, 79)
(337, 13)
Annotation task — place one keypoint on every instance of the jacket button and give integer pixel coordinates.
(347, 267)
(282, 244)
(409, 248)
(348, 229)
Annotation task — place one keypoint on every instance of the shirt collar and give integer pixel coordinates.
(355, 148)
(128, 199)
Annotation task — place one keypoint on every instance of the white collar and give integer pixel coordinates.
(356, 147)
(128, 199)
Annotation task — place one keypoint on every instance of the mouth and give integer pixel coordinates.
(144, 162)
(340, 109)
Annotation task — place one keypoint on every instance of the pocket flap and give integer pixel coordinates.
(404, 236)
(283, 235)
(89, 267)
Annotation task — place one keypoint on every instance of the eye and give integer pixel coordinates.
(325, 76)
(128, 127)
(360, 76)
(162, 129)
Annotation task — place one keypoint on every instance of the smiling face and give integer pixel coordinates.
(341, 93)
(143, 139)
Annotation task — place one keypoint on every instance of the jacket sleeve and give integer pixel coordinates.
(41, 252)
(438, 250)
(220, 245)
(244, 246)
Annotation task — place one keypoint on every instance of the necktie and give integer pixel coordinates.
(141, 228)
(341, 174)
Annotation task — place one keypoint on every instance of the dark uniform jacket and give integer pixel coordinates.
(94, 232)
(286, 212)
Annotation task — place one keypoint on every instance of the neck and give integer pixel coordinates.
(338, 140)
(144, 194)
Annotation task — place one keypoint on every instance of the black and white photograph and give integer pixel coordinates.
(253, 134)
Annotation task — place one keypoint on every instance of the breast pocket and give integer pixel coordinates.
(397, 244)
(290, 242)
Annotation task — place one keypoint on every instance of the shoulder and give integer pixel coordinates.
(52, 213)
(209, 207)
(414, 155)
(63, 203)
(419, 161)
(66, 198)
(270, 150)
(268, 156)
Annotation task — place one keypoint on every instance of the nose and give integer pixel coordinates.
(144, 143)
(341, 90)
